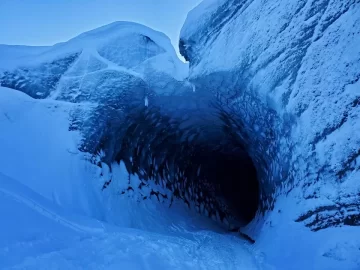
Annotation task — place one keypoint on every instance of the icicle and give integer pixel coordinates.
(218, 216)
(202, 207)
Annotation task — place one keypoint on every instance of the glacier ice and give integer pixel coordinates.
(288, 73)
(120, 142)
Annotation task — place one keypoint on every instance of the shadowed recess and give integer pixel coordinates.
(213, 174)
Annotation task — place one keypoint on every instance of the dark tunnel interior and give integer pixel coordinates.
(215, 175)
(235, 180)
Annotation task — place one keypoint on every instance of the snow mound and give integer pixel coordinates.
(121, 46)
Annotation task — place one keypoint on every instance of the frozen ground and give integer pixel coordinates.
(38, 234)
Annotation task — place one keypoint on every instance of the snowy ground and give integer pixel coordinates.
(286, 244)
(37, 234)
(54, 215)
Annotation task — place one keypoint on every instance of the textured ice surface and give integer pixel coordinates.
(289, 72)
(296, 63)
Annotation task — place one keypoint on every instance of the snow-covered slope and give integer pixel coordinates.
(122, 53)
(123, 44)
(36, 130)
(288, 72)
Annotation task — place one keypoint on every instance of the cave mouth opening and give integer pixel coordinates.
(210, 171)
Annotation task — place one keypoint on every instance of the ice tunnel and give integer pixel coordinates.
(190, 144)
(182, 134)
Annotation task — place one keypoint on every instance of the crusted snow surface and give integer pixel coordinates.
(199, 16)
(65, 70)
(289, 72)
(110, 39)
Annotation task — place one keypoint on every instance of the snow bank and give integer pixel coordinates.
(39, 151)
